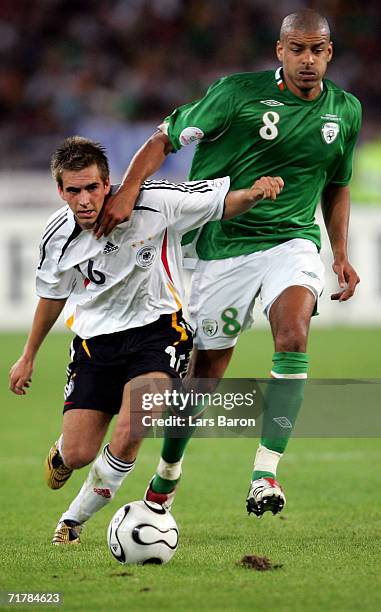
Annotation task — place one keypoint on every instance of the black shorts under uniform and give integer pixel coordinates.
(102, 365)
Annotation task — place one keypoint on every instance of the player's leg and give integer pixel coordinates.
(290, 317)
(77, 446)
(116, 460)
(300, 281)
(219, 307)
(114, 463)
(209, 365)
(170, 351)
(83, 429)
(93, 395)
(83, 432)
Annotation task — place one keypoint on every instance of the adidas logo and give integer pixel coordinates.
(106, 493)
(110, 248)
(312, 274)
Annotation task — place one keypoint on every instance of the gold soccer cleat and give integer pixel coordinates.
(56, 472)
(67, 532)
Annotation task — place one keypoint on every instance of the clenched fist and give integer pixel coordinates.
(267, 187)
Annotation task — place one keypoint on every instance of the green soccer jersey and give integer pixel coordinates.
(250, 125)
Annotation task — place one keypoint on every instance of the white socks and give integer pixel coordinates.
(169, 471)
(266, 460)
(105, 477)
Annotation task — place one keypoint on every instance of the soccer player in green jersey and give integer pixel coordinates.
(290, 122)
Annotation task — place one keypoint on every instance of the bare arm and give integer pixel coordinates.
(335, 206)
(47, 313)
(240, 201)
(148, 159)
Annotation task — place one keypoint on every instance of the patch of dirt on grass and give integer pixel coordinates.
(260, 564)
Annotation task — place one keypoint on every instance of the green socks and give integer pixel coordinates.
(282, 401)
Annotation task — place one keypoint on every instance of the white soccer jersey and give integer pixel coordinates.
(133, 276)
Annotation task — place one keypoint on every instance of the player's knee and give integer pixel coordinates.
(77, 458)
(291, 339)
(211, 364)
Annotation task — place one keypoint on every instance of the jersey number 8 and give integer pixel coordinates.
(269, 131)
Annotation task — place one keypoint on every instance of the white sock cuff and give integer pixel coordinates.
(266, 460)
(300, 376)
(115, 463)
(169, 471)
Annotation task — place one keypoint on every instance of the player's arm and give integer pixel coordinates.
(335, 206)
(240, 201)
(206, 118)
(148, 159)
(47, 313)
(198, 202)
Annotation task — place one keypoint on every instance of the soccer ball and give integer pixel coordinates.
(142, 532)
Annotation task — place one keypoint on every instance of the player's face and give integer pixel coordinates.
(84, 191)
(304, 56)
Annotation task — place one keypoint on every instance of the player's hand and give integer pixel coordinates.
(267, 187)
(20, 376)
(116, 209)
(347, 278)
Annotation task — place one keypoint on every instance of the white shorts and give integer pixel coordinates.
(223, 291)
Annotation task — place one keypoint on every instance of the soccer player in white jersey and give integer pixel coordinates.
(121, 296)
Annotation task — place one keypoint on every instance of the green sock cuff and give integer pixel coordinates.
(259, 474)
(287, 362)
(276, 444)
(162, 485)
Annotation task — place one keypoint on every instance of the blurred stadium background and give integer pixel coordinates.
(112, 69)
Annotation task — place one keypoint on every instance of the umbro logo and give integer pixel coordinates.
(283, 422)
(272, 103)
(110, 248)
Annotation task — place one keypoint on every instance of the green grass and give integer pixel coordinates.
(327, 539)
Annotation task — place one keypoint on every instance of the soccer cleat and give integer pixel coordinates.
(67, 532)
(56, 472)
(164, 499)
(265, 494)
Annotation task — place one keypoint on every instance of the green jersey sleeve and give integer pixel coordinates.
(205, 119)
(343, 172)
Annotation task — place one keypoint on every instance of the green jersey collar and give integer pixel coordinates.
(283, 88)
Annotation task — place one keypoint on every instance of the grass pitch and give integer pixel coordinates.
(327, 540)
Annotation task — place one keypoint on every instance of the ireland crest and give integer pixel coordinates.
(209, 327)
(330, 131)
